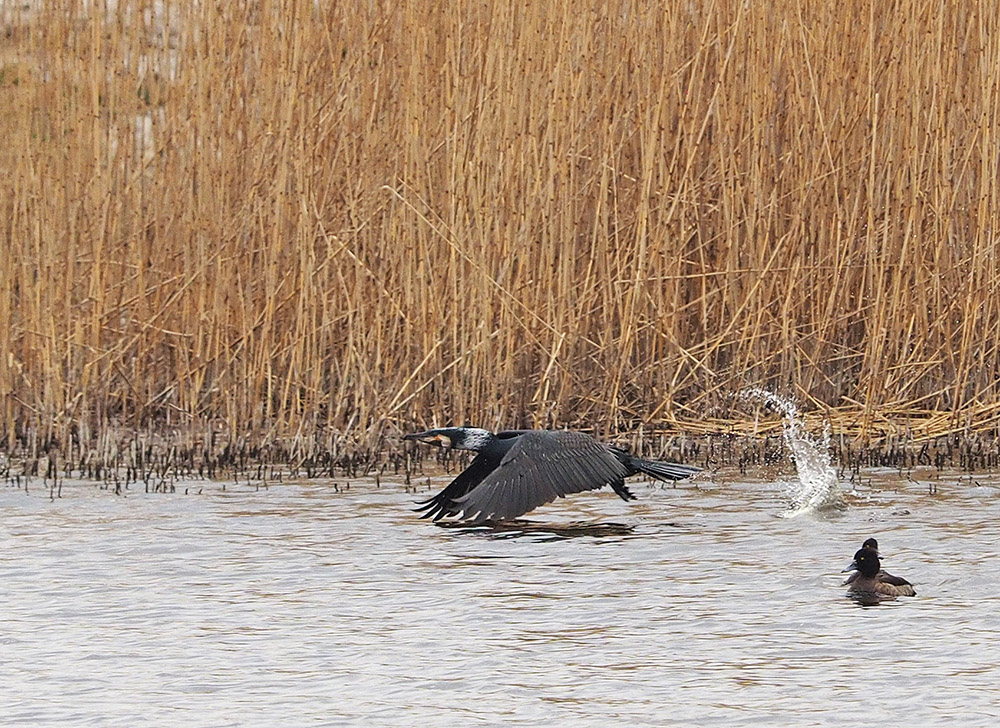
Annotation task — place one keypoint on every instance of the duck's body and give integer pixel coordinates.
(515, 471)
(870, 580)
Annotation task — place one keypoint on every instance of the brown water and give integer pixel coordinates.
(299, 605)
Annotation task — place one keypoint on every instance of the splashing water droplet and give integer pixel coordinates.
(817, 488)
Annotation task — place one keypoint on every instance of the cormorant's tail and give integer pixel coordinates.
(663, 471)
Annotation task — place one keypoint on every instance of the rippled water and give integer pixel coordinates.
(300, 605)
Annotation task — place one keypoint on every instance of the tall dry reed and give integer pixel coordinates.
(289, 217)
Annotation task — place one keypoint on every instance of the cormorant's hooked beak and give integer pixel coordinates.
(431, 437)
(852, 567)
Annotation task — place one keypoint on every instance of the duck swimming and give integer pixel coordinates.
(515, 471)
(883, 575)
(871, 580)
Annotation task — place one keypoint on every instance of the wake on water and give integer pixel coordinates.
(817, 488)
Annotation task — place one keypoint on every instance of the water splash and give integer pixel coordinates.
(817, 488)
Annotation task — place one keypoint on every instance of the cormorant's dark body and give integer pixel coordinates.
(515, 471)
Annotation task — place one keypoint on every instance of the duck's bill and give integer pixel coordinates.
(852, 567)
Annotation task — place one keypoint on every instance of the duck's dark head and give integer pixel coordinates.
(866, 562)
(870, 544)
(455, 438)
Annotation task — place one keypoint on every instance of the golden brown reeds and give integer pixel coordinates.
(285, 217)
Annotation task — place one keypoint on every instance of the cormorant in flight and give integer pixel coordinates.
(515, 471)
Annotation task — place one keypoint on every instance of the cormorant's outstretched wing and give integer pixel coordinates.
(541, 466)
(443, 504)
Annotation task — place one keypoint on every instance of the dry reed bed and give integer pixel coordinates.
(295, 222)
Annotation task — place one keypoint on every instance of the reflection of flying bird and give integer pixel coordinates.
(515, 471)
(870, 579)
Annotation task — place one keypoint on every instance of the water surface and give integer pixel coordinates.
(307, 605)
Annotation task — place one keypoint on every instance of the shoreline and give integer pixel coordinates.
(121, 456)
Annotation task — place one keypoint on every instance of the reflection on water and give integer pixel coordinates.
(521, 527)
(300, 605)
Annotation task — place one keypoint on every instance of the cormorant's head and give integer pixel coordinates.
(866, 561)
(457, 438)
